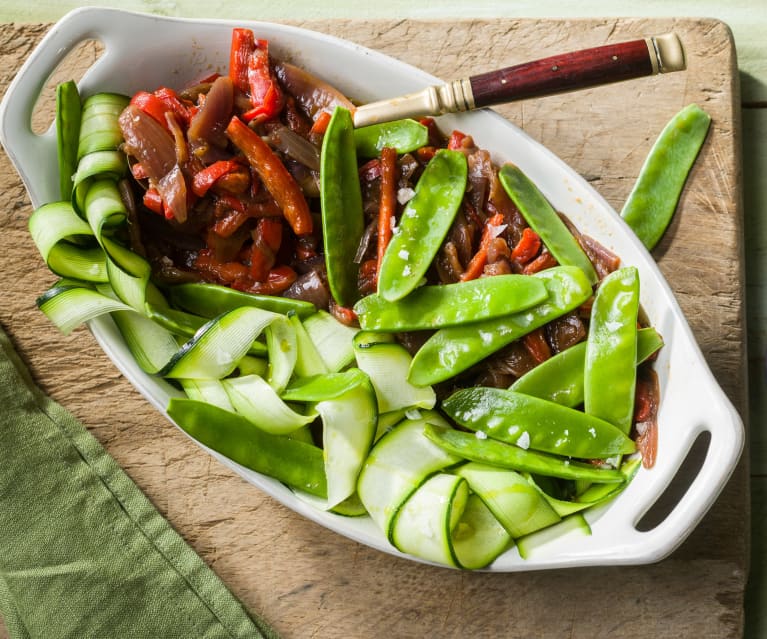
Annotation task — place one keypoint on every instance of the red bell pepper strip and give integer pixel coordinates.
(527, 247)
(279, 279)
(203, 180)
(435, 136)
(222, 272)
(343, 314)
(646, 401)
(269, 230)
(536, 344)
(243, 45)
(229, 222)
(261, 261)
(476, 266)
(265, 93)
(251, 73)
(426, 153)
(267, 238)
(367, 280)
(153, 201)
(388, 203)
(455, 143)
(150, 104)
(138, 171)
(276, 178)
(173, 103)
(320, 125)
(541, 263)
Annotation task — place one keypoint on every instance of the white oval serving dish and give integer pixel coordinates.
(144, 52)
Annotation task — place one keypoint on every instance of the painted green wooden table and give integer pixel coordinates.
(748, 21)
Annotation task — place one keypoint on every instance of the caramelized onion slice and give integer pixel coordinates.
(311, 93)
(208, 124)
(148, 141)
(295, 146)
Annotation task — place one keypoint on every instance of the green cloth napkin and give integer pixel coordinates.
(83, 553)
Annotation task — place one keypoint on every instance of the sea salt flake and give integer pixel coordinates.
(524, 440)
(403, 254)
(495, 231)
(481, 434)
(405, 194)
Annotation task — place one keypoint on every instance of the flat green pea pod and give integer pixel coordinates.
(497, 453)
(653, 200)
(68, 111)
(341, 200)
(403, 135)
(454, 349)
(543, 219)
(597, 493)
(430, 307)
(609, 378)
(560, 378)
(210, 300)
(298, 464)
(536, 424)
(425, 221)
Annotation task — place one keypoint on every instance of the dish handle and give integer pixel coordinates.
(726, 437)
(34, 155)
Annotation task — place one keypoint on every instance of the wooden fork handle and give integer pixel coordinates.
(578, 70)
(556, 74)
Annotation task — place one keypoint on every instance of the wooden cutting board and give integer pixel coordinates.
(312, 583)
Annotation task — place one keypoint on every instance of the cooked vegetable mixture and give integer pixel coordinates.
(382, 318)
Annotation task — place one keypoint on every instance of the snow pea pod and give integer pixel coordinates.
(609, 378)
(653, 200)
(497, 453)
(341, 201)
(68, 112)
(450, 304)
(543, 219)
(425, 221)
(403, 135)
(454, 349)
(597, 493)
(210, 300)
(293, 462)
(560, 378)
(530, 422)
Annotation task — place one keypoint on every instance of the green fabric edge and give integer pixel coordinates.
(227, 611)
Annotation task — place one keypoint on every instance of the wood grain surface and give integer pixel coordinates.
(312, 583)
